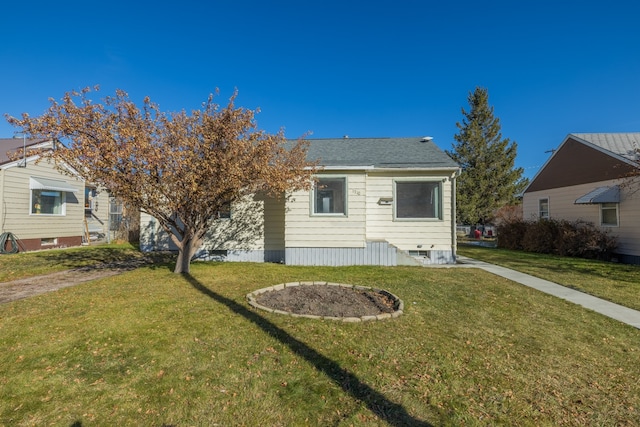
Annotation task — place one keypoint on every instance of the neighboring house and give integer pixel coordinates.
(587, 178)
(40, 205)
(378, 201)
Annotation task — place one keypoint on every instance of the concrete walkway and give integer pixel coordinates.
(606, 308)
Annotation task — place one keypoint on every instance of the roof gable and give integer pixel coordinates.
(379, 153)
(586, 158)
(620, 144)
(10, 147)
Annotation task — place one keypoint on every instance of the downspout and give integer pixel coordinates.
(2, 201)
(109, 202)
(454, 228)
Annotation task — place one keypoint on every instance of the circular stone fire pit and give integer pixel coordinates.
(325, 300)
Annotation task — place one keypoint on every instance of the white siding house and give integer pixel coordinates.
(39, 205)
(378, 201)
(588, 179)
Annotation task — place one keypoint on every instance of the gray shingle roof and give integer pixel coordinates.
(622, 144)
(402, 153)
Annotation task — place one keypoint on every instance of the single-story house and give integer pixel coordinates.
(42, 207)
(588, 178)
(376, 201)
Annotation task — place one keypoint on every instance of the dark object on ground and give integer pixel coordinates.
(327, 300)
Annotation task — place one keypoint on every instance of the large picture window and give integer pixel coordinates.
(329, 196)
(418, 200)
(47, 202)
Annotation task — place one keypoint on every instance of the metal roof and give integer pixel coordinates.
(622, 144)
(379, 153)
(37, 183)
(600, 195)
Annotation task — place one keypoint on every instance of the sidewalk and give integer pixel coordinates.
(606, 308)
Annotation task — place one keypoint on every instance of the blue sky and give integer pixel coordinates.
(334, 68)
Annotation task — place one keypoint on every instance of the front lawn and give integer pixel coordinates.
(619, 283)
(27, 264)
(153, 348)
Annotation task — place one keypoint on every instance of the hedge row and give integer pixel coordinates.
(560, 237)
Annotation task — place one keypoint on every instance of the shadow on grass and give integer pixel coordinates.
(96, 258)
(391, 412)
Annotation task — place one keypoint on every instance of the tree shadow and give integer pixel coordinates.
(377, 403)
(101, 258)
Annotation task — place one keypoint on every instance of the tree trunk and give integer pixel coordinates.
(183, 263)
(186, 249)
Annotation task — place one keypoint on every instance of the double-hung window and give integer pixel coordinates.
(543, 208)
(418, 200)
(330, 196)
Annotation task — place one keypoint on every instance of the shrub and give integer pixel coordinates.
(558, 237)
(540, 236)
(510, 234)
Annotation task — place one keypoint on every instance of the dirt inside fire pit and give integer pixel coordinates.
(328, 301)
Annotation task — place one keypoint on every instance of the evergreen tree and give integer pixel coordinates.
(489, 179)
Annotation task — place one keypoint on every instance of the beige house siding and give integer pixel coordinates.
(16, 204)
(243, 231)
(306, 230)
(286, 229)
(562, 206)
(96, 211)
(274, 220)
(432, 234)
(240, 238)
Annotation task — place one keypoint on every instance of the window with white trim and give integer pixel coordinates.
(609, 214)
(418, 200)
(224, 212)
(543, 208)
(330, 196)
(47, 202)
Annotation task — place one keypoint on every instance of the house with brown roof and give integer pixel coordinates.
(376, 201)
(41, 206)
(590, 177)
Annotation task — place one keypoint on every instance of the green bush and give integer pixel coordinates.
(558, 237)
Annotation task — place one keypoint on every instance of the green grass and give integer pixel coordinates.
(27, 264)
(619, 283)
(153, 348)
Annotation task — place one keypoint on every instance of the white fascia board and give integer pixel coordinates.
(348, 168)
(450, 170)
(17, 163)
